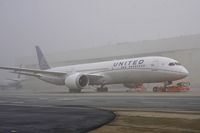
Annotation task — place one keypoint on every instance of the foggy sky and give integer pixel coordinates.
(62, 25)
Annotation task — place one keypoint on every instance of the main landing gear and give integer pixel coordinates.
(102, 89)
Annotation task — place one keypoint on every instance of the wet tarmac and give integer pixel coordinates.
(51, 119)
(78, 113)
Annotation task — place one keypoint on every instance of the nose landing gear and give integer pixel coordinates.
(166, 83)
(163, 88)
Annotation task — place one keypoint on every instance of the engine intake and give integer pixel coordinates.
(76, 81)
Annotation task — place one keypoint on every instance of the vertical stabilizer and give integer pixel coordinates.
(43, 65)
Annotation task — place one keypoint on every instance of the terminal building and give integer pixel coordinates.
(185, 49)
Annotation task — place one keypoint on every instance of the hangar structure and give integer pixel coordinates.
(185, 49)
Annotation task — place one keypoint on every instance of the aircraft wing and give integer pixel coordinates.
(32, 71)
(94, 78)
(13, 80)
(17, 80)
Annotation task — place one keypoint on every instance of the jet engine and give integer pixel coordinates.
(76, 81)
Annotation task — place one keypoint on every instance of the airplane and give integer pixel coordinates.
(150, 69)
(12, 83)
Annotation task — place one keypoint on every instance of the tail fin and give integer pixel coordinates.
(43, 65)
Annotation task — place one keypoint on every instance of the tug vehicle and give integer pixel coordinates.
(179, 87)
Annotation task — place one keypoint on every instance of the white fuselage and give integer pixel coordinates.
(133, 70)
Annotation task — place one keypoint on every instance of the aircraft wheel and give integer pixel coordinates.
(104, 89)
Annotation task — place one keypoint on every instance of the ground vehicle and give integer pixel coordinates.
(179, 87)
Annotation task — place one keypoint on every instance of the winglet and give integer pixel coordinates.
(43, 65)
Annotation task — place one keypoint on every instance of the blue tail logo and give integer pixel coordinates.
(43, 65)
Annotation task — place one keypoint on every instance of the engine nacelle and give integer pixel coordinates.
(76, 81)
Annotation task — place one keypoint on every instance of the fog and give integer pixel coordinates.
(63, 25)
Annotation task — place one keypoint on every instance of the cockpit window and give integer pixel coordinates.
(171, 64)
(174, 63)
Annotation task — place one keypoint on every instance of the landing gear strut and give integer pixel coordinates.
(166, 83)
(102, 89)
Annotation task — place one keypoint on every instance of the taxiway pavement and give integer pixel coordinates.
(80, 112)
(172, 101)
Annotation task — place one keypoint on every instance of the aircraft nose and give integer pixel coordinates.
(185, 72)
